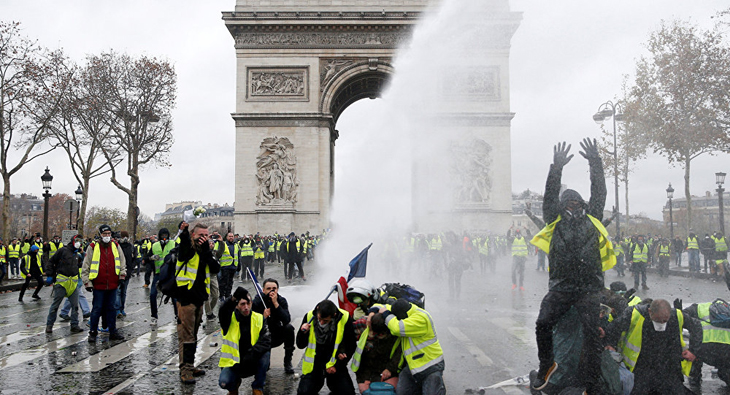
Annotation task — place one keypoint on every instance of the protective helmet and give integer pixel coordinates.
(360, 290)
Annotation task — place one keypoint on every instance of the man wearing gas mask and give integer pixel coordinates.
(655, 350)
(579, 251)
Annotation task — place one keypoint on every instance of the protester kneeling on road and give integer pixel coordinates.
(330, 343)
(275, 309)
(377, 355)
(246, 347)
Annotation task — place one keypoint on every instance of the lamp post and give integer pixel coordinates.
(79, 195)
(670, 195)
(720, 179)
(46, 178)
(614, 111)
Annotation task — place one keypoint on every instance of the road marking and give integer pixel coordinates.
(521, 332)
(202, 353)
(126, 383)
(35, 352)
(475, 351)
(115, 354)
(25, 311)
(26, 333)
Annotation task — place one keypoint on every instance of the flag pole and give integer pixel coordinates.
(256, 286)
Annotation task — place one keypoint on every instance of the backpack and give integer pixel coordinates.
(167, 283)
(404, 291)
(720, 314)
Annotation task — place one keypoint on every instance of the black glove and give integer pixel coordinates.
(590, 149)
(678, 304)
(560, 155)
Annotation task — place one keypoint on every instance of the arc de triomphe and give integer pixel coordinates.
(300, 63)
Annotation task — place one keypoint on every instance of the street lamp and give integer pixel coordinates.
(46, 178)
(670, 195)
(79, 195)
(720, 179)
(615, 111)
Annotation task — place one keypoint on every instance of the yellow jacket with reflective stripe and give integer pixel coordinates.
(418, 339)
(13, 251)
(632, 348)
(663, 250)
(230, 352)
(639, 254)
(357, 356)
(157, 249)
(95, 256)
(186, 275)
(3, 251)
(246, 248)
(435, 244)
(54, 247)
(226, 258)
(711, 334)
(692, 243)
(27, 264)
(720, 244)
(608, 257)
(519, 246)
(310, 352)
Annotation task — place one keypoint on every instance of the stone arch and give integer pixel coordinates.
(358, 81)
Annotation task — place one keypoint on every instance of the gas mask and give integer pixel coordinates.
(659, 326)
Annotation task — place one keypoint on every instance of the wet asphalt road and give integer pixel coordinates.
(487, 335)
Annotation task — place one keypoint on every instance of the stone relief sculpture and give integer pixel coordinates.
(472, 83)
(311, 39)
(276, 172)
(329, 69)
(472, 161)
(277, 83)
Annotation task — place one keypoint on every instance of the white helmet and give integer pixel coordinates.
(360, 290)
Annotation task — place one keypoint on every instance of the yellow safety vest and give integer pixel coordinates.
(186, 276)
(484, 247)
(692, 243)
(418, 340)
(720, 244)
(272, 246)
(608, 256)
(246, 249)
(259, 253)
(310, 352)
(227, 259)
(2, 254)
(519, 247)
(27, 265)
(436, 244)
(632, 347)
(618, 249)
(640, 254)
(95, 256)
(14, 251)
(664, 251)
(68, 283)
(230, 352)
(357, 357)
(634, 301)
(711, 334)
(55, 247)
(162, 252)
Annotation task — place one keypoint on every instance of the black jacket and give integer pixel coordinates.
(128, 251)
(65, 261)
(292, 254)
(279, 318)
(575, 257)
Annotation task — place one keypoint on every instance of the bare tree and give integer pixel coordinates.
(681, 96)
(30, 91)
(138, 96)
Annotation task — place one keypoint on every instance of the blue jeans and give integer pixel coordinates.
(121, 295)
(103, 303)
(83, 303)
(694, 260)
(14, 268)
(230, 378)
(58, 293)
(153, 295)
(433, 384)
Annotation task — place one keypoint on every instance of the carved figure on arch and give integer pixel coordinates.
(471, 169)
(276, 172)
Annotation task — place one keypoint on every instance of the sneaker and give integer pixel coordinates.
(36, 297)
(514, 286)
(543, 377)
(49, 328)
(146, 286)
(92, 337)
(522, 288)
(116, 336)
(64, 317)
(198, 372)
(644, 287)
(119, 315)
(87, 315)
(210, 316)
(124, 314)
(153, 321)
(76, 329)
(187, 378)
(104, 330)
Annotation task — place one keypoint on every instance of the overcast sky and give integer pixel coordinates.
(567, 58)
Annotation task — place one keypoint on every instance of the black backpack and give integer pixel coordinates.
(404, 291)
(167, 283)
